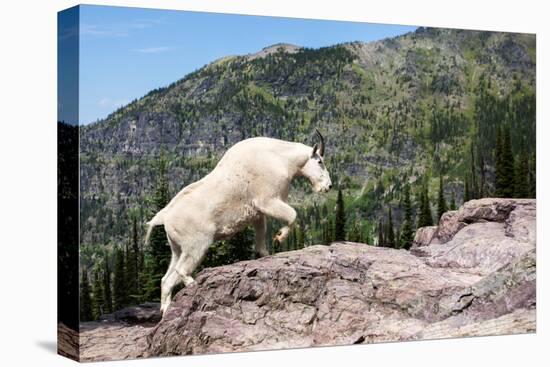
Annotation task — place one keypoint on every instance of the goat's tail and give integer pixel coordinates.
(157, 220)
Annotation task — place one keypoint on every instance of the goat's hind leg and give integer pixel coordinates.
(170, 279)
(191, 255)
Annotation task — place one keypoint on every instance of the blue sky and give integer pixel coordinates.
(126, 52)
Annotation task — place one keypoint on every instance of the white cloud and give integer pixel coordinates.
(153, 50)
(122, 29)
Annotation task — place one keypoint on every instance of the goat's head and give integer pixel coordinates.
(315, 169)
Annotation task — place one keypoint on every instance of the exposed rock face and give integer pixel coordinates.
(516, 215)
(424, 236)
(479, 282)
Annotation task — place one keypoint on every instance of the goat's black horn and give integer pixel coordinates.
(322, 145)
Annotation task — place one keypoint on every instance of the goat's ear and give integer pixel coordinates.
(314, 150)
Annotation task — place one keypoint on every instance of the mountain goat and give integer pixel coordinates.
(250, 182)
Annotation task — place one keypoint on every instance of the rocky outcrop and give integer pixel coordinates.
(481, 281)
(112, 340)
(517, 215)
(119, 335)
(424, 236)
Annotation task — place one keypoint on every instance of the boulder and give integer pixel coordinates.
(449, 225)
(424, 236)
(518, 215)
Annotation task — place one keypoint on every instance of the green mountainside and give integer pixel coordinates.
(406, 114)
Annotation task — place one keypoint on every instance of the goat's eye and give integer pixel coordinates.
(320, 162)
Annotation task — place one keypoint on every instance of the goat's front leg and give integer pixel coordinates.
(259, 228)
(278, 209)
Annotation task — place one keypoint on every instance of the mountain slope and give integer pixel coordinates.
(393, 111)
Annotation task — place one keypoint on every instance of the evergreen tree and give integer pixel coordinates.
(425, 212)
(482, 178)
(441, 203)
(452, 206)
(107, 294)
(504, 171)
(407, 233)
(474, 188)
(324, 232)
(85, 298)
(390, 234)
(241, 246)
(119, 281)
(238, 248)
(131, 267)
(97, 294)
(467, 193)
(521, 177)
(533, 177)
(381, 239)
(300, 236)
(330, 228)
(499, 178)
(340, 219)
(354, 233)
(159, 251)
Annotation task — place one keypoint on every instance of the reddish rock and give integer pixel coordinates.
(479, 282)
(424, 236)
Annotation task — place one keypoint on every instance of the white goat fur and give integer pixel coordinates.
(250, 182)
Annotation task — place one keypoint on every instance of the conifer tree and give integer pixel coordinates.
(241, 246)
(107, 294)
(131, 267)
(482, 178)
(467, 194)
(119, 281)
(381, 239)
(533, 177)
(521, 177)
(407, 233)
(474, 188)
(498, 163)
(504, 170)
(354, 233)
(340, 219)
(390, 234)
(330, 230)
(425, 212)
(324, 232)
(300, 236)
(508, 164)
(452, 205)
(441, 202)
(85, 298)
(158, 250)
(97, 294)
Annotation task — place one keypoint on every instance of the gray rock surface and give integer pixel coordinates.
(480, 282)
